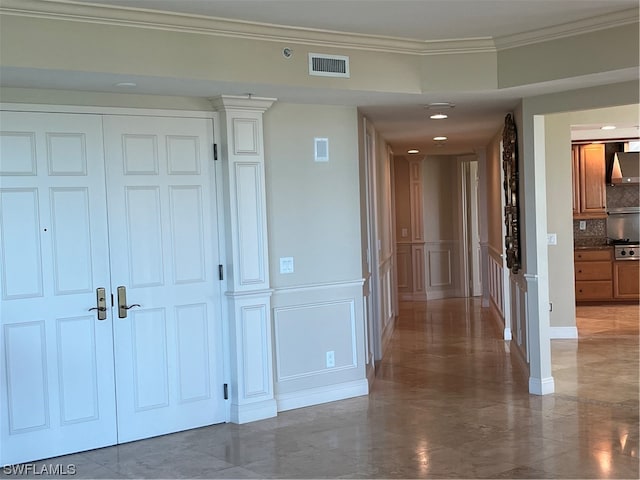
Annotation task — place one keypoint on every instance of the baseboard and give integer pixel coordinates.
(563, 333)
(440, 294)
(506, 331)
(371, 374)
(251, 412)
(318, 395)
(541, 386)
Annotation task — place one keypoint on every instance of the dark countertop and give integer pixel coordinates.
(590, 242)
(593, 247)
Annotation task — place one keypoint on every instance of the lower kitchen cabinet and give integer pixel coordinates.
(626, 280)
(600, 278)
(594, 276)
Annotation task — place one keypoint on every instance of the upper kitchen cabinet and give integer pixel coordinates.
(589, 192)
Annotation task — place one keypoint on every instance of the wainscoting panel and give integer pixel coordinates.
(496, 281)
(519, 320)
(440, 281)
(386, 286)
(313, 323)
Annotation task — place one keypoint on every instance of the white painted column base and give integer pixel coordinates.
(541, 386)
(253, 411)
(563, 333)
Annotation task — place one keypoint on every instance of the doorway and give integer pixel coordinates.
(111, 323)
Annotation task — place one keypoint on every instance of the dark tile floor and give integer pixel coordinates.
(449, 401)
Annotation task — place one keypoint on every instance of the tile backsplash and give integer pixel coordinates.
(596, 229)
(623, 196)
(594, 234)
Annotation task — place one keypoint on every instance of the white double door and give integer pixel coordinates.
(91, 202)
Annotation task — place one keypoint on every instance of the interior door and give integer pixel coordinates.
(56, 363)
(164, 253)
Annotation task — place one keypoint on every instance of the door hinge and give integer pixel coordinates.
(226, 391)
(550, 306)
(221, 272)
(215, 151)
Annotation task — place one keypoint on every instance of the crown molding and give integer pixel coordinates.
(70, 10)
(579, 27)
(204, 25)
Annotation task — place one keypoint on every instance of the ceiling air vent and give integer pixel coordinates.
(328, 65)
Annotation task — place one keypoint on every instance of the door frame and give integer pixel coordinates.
(216, 183)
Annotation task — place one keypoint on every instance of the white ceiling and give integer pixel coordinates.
(401, 118)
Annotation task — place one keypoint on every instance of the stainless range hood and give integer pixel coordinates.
(626, 168)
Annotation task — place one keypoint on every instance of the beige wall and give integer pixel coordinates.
(313, 211)
(440, 193)
(559, 200)
(590, 53)
(313, 207)
(199, 55)
(402, 198)
(494, 193)
(557, 179)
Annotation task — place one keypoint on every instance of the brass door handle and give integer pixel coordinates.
(122, 303)
(101, 302)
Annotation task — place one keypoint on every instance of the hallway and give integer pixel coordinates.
(449, 401)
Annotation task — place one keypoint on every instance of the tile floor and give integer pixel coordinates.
(449, 401)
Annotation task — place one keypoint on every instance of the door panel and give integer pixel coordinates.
(165, 252)
(57, 358)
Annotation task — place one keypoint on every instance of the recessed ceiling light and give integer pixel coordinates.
(440, 138)
(438, 116)
(608, 127)
(440, 105)
(412, 151)
(126, 84)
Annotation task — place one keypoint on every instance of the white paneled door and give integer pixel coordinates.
(164, 251)
(72, 381)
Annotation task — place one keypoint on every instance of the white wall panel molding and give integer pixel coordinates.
(440, 269)
(251, 358)
(248, 290)
(294, 322)
(320, 286)
(309, 322)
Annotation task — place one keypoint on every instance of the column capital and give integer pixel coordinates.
(242, 102)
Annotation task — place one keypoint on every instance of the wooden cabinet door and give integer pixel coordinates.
(626, 280)
(592, 176)
(575, 178)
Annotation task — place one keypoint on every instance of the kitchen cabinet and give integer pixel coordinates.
(588, 175)
(594, 274)
(626, 280)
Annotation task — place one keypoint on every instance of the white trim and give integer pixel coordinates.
(563, 333)
(216, 26)
(318, 395)
(250, 412)
(83, 109)
(320, 286)
(541, 386)
(579, 27)
(440, 294)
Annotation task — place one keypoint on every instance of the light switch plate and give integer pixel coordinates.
(583, 224)
(286, 265)
(552, 239)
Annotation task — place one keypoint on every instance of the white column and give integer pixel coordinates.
(536, 261)
(247, 270)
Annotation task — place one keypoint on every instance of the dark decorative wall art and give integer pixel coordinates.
(511, 201)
